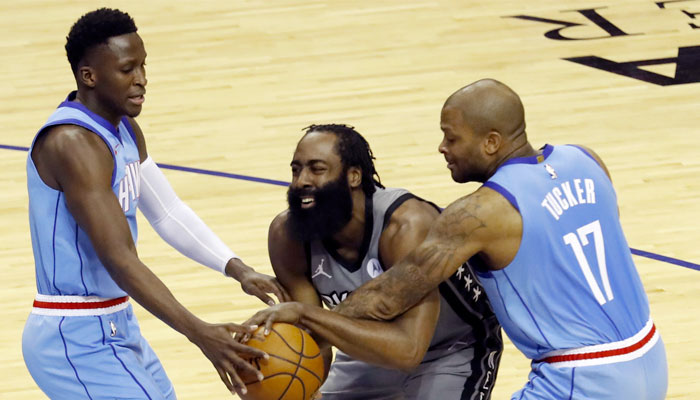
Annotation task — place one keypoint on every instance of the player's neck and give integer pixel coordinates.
(516, 150)
(94, 105)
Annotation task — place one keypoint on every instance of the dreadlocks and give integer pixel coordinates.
(354, 151)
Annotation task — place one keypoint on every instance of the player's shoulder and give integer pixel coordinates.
(413, 213)
(593, 155)
(67, 133)
(280, 221)
(286, 252)
(70, 140)
(278, 235)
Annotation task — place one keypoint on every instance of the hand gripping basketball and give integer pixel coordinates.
(294, 370)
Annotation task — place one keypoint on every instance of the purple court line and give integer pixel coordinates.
(8, 147)
(665, 259)
(642, 253)
(188, 169)
(223, 174)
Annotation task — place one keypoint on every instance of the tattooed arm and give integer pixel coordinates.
(481, 223)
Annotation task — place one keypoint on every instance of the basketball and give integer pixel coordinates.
(294, 369)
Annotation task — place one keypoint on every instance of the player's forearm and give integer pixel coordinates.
(384, 297)
(379, 343)
(149, 291)
(401, 287)
(236, 268)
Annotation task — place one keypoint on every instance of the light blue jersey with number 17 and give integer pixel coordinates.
(572, 296)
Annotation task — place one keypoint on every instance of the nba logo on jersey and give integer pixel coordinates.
(374, 268)
(550, 171)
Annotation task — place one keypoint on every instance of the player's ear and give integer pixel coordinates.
(492, 142)
(354, 177)
(86, 75)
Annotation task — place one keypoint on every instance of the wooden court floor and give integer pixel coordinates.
(232, 83)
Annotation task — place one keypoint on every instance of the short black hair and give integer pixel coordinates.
(95, 28)
(354, 151)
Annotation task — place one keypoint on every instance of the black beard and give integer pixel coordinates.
(332, 210)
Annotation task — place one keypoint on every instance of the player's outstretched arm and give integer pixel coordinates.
(77, 163)
(457, 234)
(182, 228)
(399, 344)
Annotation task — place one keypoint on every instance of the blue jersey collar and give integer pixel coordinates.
(536, 159)
(70, 102)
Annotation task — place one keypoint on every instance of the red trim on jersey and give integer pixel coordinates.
(605, 353)
(80, 305)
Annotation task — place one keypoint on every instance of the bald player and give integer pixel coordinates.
(545, 234)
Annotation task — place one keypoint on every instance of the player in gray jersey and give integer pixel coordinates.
(342, 229)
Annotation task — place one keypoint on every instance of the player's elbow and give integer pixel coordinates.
(409, 358)
(408, 351)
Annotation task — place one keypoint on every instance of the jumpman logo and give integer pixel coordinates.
(551, 171)
(320, 271)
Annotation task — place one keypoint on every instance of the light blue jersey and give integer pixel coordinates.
(572, 296)
(65, 261)
(82, 339)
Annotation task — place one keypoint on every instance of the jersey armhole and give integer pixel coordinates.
(82, 124)
(396, 204)
(504, 192)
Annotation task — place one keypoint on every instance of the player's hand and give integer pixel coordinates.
(258, 285)
(255, 283)
(228, 355)
(290, 313)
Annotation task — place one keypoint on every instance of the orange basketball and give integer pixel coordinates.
(294, 370)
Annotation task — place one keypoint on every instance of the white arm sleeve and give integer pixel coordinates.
(176, 223)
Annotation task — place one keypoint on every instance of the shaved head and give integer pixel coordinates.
(488, 105)
(483, 125)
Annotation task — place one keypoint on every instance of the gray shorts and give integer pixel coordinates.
(442, 378)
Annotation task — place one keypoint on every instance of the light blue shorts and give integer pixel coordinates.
(93, 357)
(644, 378)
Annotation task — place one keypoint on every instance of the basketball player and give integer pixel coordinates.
(342, 229)
(552, 256)
(87, 171)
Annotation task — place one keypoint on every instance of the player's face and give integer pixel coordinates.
(319, 197)
(315, 163)
(461, 147)
(120, 75)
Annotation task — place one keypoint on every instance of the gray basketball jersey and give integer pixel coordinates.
(466, 325)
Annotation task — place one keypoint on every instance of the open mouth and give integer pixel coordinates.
(138, 100)
(307, 201)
